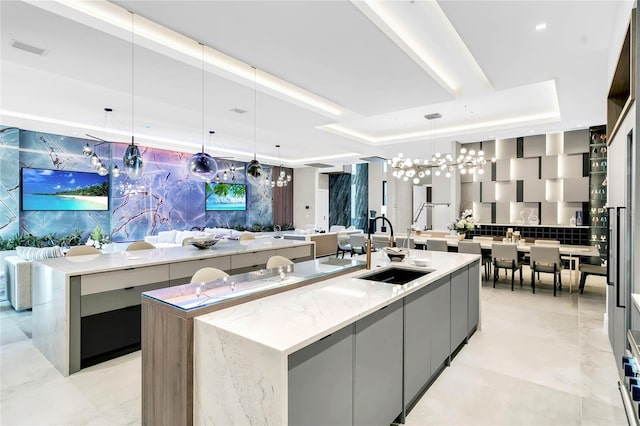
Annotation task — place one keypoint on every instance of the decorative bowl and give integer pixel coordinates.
(204, 244)
(421, 262)
(396, 254)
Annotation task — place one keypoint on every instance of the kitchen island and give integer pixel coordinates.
(342, 351)
(86, 309)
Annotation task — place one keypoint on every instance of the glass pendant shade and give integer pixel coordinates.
(102, 170)
(94, 160)
(115, 171)
(202, 166)
(254, 172)
(87, 150)
(132, 161)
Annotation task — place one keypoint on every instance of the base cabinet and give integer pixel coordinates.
(378, 367)
(459, 307)
(423, 310)
(321, 376)
(365, 372)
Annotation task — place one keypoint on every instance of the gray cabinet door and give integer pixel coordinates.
(321, 380)
(378, 367)
(417, 344)
(474, 297)
(440, 320)
(459, 306)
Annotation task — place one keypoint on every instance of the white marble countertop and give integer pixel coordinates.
(95, 263)
(292, 320)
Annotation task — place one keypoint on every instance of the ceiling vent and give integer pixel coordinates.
(28, 48)
(319, 165)
(433, 116)
(374, 159)
(237, 110)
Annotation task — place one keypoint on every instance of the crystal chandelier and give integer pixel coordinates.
(283, 177)
(469, 161)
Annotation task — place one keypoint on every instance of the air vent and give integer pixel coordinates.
(28, 48)
(374, 159)
(433, 116)
(237, 110)
(319, 165)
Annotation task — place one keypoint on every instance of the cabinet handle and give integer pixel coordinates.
(129, 288)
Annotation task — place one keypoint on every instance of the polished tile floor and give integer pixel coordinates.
(538, 360)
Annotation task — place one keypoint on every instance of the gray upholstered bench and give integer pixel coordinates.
(586, 270)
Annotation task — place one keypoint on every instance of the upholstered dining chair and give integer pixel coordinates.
(207, 274)
(437, 245)
(246, 236)
(402, 242)
(140, 245)
(505, 256)
(474, 248)
(82, 251)
(275, 261)
(546, 259)
(344, 246)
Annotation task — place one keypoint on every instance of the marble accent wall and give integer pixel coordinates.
(340, 199)
(349, 197)
(47, 151)
(164, 197)
(360, 196)
(9, 182)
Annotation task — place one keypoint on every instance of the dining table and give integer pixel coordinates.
(569, 252)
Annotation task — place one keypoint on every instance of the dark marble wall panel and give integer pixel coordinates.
(9, 182)
(340, 199)
(360, 195)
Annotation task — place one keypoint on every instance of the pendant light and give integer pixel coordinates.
(202, 166)
(132, 158)
(254, 168)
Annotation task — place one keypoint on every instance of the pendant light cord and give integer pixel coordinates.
(255, 113)
(202, 92)
(132, 77)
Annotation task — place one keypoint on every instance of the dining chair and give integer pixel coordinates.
(357, 243)
(140, 245)
(402, 242)
(246, 236)
(437, 245)
(207, 274)
(474, 248)
(82, 251)
(505, 256)
(546, 259)
(380, 241)
(275, 261)
(344, 245)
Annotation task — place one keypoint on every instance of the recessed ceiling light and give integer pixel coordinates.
(541, 26)
(433, 116)
(237, 110)
(28, 47)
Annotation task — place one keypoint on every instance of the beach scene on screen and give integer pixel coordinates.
(64, 190)
(226, 196)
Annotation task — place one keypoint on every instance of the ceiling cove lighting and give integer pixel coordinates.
(469, 161)
(118, 17)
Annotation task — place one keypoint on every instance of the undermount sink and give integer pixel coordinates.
(393, 275)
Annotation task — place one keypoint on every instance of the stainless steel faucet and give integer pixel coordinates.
(368, 242)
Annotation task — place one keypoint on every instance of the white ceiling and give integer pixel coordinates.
(383, 66)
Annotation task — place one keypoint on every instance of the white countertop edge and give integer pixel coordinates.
(219, 318)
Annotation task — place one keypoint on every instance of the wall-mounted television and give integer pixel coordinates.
(44, 189)
(225, 197)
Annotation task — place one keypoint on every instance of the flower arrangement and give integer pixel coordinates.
(97, 239)
(464, 223)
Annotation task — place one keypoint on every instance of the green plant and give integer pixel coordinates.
(29, 240)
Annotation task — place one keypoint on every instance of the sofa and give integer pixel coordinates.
(17, 270)
(174, 238)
